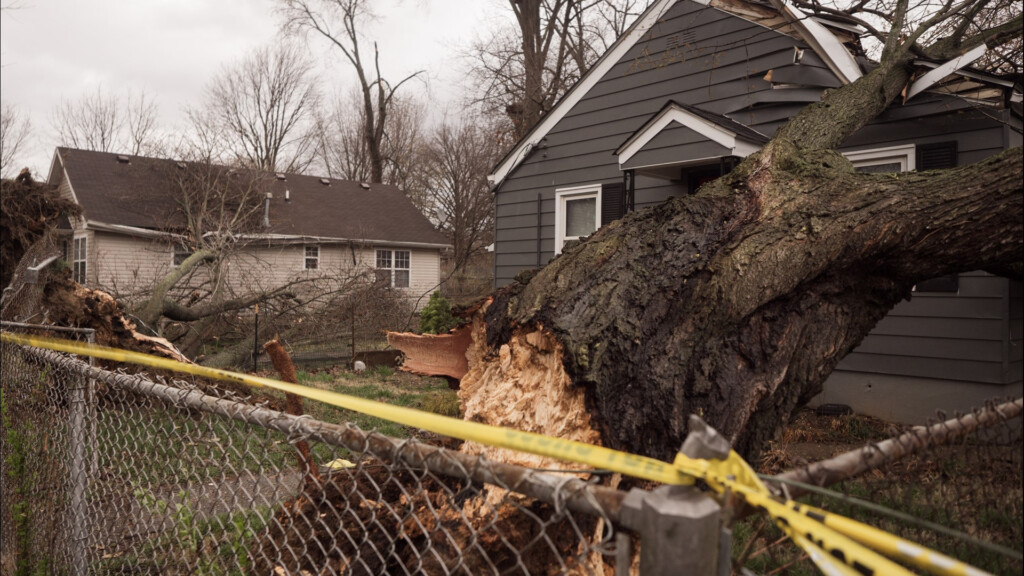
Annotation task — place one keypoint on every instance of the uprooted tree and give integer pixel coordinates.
(737, 302)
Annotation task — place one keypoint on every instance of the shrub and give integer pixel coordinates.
(436, 317)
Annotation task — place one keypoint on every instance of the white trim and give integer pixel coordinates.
(904, 154)
(580, 89)
(824, 43)
(177, 248)
(131, 230)
(293, 239)
(562, 195)
(393, 268)
(306, 257)
(673, 113)
(680, 116)
(934, 76)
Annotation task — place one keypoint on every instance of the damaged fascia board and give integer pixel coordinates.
(824, 43)
(934, 76)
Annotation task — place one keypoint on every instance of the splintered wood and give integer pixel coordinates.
(522, 385)
(434, 354)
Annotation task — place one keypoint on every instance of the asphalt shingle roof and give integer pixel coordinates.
(141, 193)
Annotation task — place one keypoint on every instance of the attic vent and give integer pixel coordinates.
(325, 181)
(280, 176)
(672, 42)
(123, 159)
(364, 185)
(936, 156)
(180, 165)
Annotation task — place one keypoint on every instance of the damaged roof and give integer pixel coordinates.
(140, 192)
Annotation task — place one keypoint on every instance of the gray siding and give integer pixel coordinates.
(1014, 356)
(941, 336)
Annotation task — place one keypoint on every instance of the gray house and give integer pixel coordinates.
(696, 85)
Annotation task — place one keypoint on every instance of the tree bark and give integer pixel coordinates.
(736, 303)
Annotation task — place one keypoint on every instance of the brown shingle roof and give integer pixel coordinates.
(140, 193)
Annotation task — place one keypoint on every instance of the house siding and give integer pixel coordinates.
(128, 266)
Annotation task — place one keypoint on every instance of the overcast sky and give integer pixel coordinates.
(53, 49)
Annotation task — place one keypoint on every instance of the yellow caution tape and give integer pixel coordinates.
(567, 450)
(837, 545)
(931, 561)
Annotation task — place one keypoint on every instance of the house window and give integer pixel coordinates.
(393, 268)
(576, 213)
(878, 160)
(79, 252)
(181, 253)
(312, 258)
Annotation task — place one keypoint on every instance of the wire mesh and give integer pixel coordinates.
(954, 486)
(168, 476)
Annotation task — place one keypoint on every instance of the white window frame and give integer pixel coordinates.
(564, 195)
(306, 258)
(905, 155)
(80, 255)
(393, 267)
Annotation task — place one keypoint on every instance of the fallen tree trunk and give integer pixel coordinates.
(737, 303)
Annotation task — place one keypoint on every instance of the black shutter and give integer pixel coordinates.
(612, 203)
(936, 156)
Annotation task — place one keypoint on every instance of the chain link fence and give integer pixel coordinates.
(168, 476)
(954, 485)
(111, 472)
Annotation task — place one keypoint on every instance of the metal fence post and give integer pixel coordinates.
(79, 410)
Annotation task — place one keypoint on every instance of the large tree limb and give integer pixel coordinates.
(158, 301)
(178, 312)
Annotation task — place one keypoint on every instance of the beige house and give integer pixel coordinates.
(130, 233)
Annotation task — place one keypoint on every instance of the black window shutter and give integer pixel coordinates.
(936, 156)
(612, 201)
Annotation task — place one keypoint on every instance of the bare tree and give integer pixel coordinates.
(338, 21)
(108, 123)
(523, 71)
(261, 112)
(459, 156)
(14, 130)
(344, 153)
